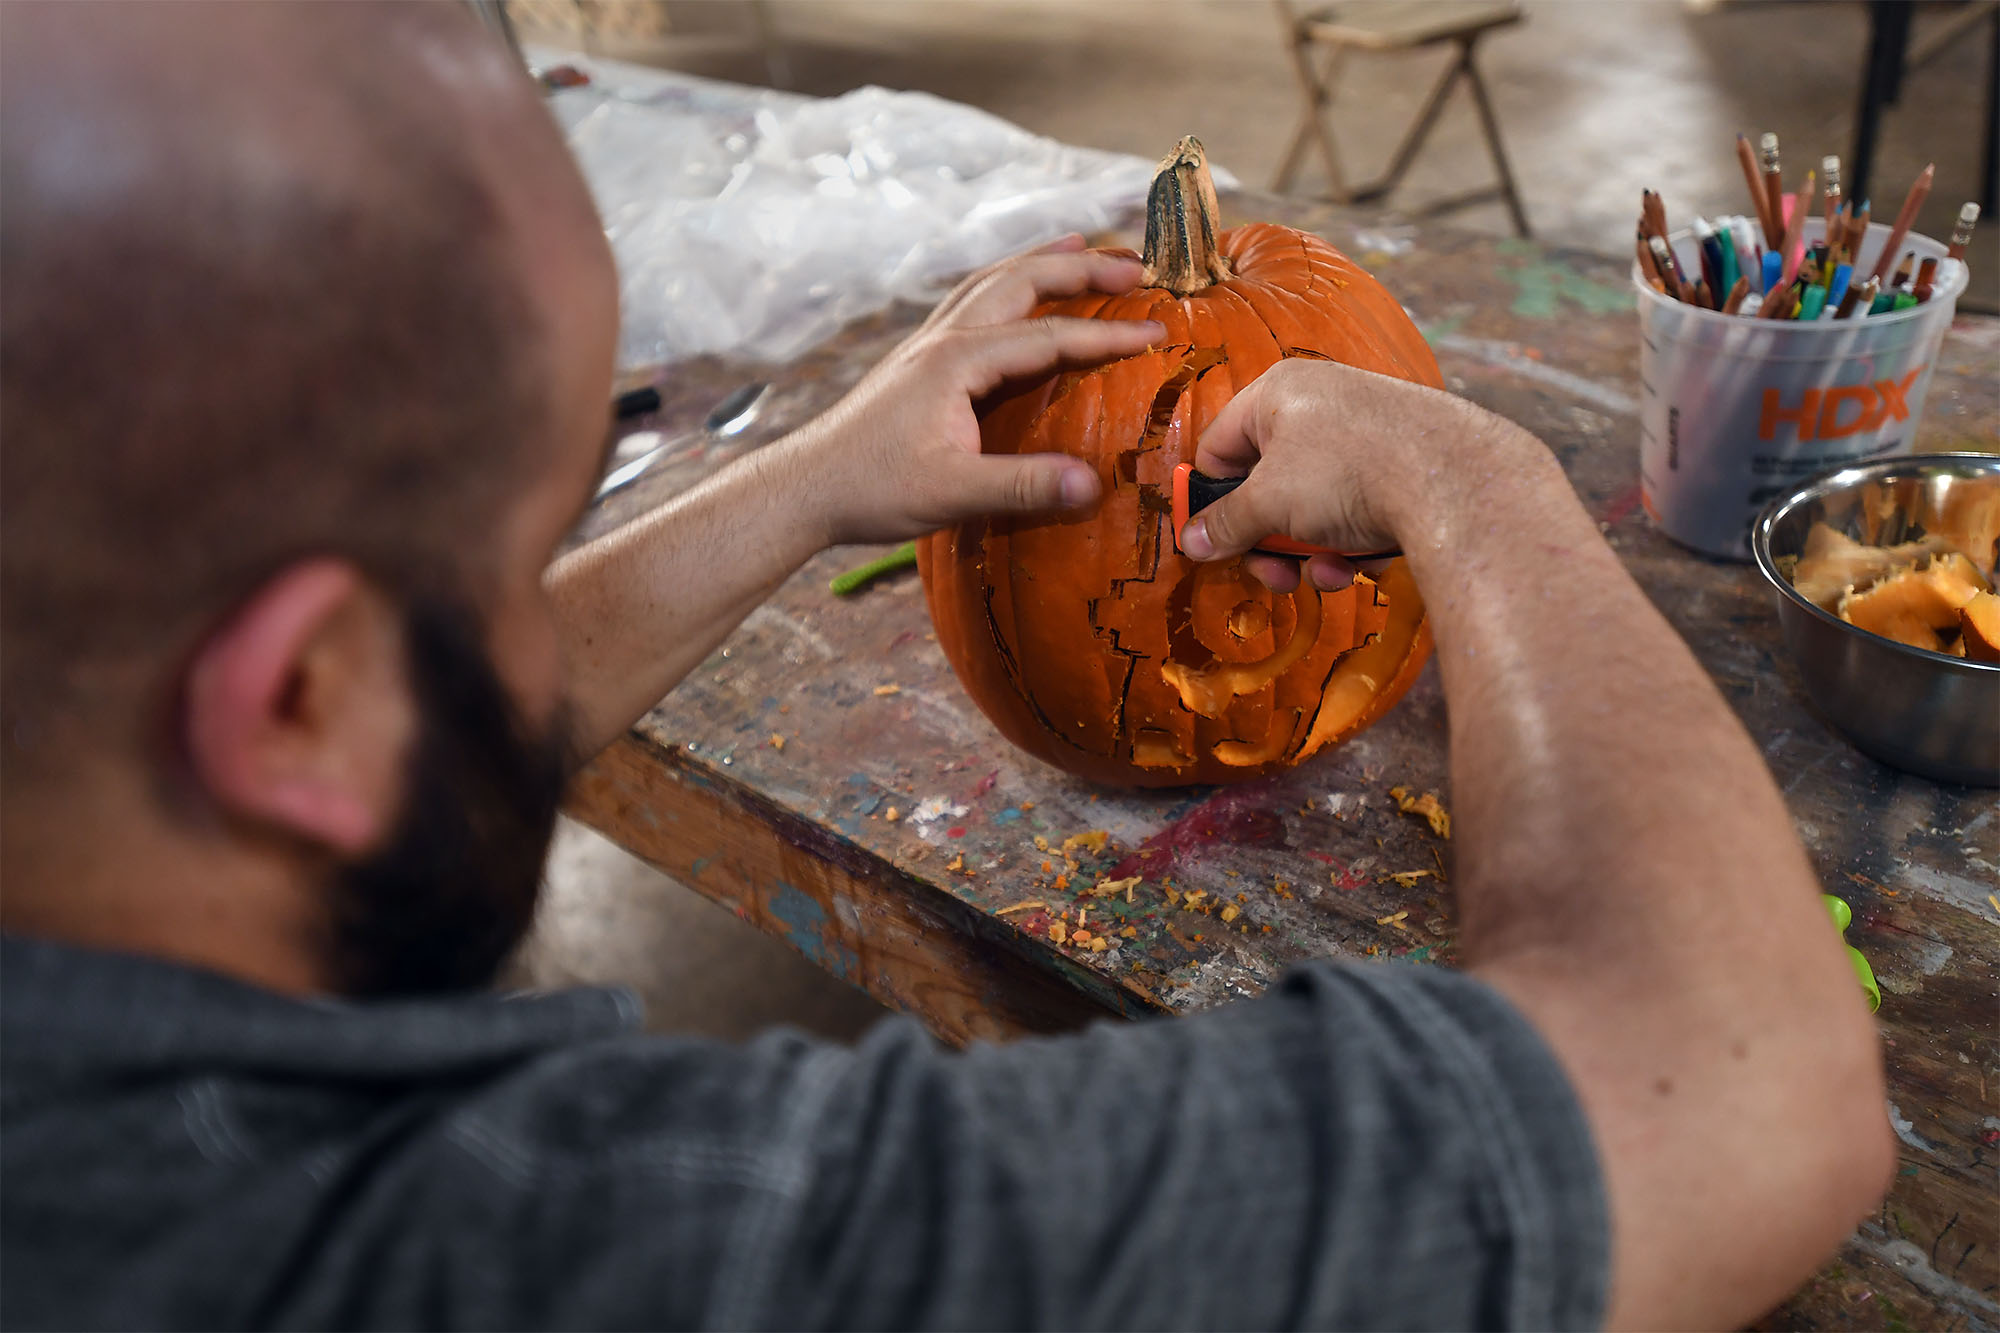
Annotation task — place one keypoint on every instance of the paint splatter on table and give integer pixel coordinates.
(824, 776)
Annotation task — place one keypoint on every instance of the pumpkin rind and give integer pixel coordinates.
(1090, 641)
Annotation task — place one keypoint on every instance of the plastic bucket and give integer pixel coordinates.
(1734, 411)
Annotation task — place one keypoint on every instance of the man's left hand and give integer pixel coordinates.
(899, 456)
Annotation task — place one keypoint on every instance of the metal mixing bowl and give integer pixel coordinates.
(1922, 711)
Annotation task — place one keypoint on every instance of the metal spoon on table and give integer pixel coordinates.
(732, 416)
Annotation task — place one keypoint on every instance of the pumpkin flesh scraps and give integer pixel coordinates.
(1834, 564)
(1090, 641)
(1912, 605)
(1979, 628)
(1914, 593)
(1969, 522)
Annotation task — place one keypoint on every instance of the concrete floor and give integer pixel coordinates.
(608, 919)
(1596, 99)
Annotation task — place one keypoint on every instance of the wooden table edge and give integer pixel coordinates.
(901, 938)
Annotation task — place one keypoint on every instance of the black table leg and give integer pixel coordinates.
(1989, 164)
(1888, 40)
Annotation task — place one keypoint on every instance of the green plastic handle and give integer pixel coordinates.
(1843, 917)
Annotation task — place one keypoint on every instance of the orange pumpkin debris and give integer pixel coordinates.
(1979, 627)
(1911, 606)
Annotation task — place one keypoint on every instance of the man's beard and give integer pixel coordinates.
(443, 903)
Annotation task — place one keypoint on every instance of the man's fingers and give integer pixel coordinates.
(1035, 346)
(1013, 289)
(1232, 525)
(1327, 573)
(1066, 244)
(1331, 573)
(1018, 484)
(1069, 242)
(1276, 572)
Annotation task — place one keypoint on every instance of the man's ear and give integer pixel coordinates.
(297, 712)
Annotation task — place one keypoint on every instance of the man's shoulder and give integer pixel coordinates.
(181, 1149)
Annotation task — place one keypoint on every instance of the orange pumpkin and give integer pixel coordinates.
(1092, 642)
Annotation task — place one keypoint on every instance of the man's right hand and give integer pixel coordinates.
(1344, 458)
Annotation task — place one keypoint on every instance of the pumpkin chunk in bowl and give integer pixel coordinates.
(1884, 574)
(1913, 592)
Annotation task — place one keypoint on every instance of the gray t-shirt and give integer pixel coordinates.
(1366, 1146)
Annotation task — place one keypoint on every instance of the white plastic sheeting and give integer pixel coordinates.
(757, 223)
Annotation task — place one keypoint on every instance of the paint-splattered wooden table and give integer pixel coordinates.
(824, 776)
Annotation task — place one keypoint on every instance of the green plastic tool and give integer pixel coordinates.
(843, 584)
(1843, 917)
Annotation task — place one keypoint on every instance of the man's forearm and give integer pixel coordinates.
(639, 608)
(1629, 873)
(1581, 722)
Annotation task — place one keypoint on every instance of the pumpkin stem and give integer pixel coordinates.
(1181, 222)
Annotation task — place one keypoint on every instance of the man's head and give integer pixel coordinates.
(304, 353)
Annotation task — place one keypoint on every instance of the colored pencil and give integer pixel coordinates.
(1746, 157)
(1857, 233)
(1795, 228)
(1781, 303)
(1774, 192)
(1655, 210)
(1858, 299)
(1926, 278)
(1919, 191)
(1734, 256)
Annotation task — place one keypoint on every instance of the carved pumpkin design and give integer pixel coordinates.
(1091, 642)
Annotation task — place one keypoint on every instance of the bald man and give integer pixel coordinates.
(305, 348)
